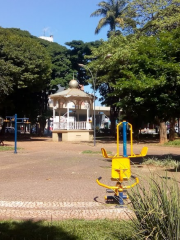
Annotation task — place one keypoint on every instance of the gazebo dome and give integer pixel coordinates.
(73, 84)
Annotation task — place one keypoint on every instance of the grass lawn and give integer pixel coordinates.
(94, 152)
(62, 230)
(167, 162)
(6, 148)
(173, 143)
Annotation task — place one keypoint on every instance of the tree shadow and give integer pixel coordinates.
(173, 170)
(103, 140)
(26, 139)
(30, 230)
(165, 156)
(140, 160)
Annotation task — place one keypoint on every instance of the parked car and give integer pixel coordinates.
(175, 129)
(9, 130)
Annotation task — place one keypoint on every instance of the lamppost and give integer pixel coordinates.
(94, 78)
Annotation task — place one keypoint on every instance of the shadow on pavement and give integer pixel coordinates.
(26, 139)
(165, 156)
(140, 160)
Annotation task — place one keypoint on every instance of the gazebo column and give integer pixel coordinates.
(78, 107)
(78, 116)
(78, 120)
(59, 118)
(92, 113)
(87, 122)
(54, 113)
(77, 112)
(67, 116)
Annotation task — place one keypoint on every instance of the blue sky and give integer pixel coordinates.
(66, 20)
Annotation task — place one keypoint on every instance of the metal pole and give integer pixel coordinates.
(15, 134)
(94, 113)
(121, 202)
(94, 83)
(124, 139)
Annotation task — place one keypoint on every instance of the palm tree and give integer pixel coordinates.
(112, 12)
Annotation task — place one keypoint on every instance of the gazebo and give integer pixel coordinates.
(72, 114)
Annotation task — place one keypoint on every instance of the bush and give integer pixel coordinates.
(173, 143)
(167, 162)
(157, 210)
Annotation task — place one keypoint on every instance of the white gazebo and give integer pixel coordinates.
(72, 114)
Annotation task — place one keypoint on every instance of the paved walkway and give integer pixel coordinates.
(47, 180)
(60, 210)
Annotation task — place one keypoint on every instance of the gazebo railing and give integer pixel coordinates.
(72, 125)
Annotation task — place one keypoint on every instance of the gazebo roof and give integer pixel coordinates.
(72, 92)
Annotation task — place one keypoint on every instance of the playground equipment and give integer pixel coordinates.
(15, 121)
(120, 169)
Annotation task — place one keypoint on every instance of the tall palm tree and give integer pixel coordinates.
(112, 12)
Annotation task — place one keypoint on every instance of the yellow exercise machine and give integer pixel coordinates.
(121, 170)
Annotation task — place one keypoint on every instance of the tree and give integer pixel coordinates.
(28, 63)
(142, 77)
(77, 52)
(61, 64)
(155, 70)
(155, 15)
(25, 89)
(25, 69)
(109, 71)
(61, 67)
(113, 14)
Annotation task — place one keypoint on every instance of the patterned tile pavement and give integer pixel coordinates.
(47, 180)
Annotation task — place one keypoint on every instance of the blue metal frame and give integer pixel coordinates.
(121, 202)
(15, 119)
(125, 139)
(15, 134)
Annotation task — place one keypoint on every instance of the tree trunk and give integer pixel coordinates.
(163, 132)
(172, 130)
(136, 133)
(136, 127)
(113, 117)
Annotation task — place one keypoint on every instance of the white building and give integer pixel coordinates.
(50, 39)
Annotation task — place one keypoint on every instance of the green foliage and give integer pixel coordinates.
(61, 67)
(156, 204)
(6, 148)
(62, 71)
(28, 62)
(94, 152)
(141, 77)
(77, 52)
(18, 31)
(32, 68)
(25, 68)
(173, 143)
(167, 162)
(154, 73)
(155, 16)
